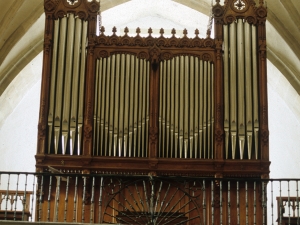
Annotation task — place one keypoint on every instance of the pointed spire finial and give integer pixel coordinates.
(173, 32)
(150, 31)
(114, 30)
(161, 31)
(126, 30)
(102, 29)
(138, 31)
(197, 32)
(185, 32)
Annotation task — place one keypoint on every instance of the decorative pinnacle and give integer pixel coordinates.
(114, 30)
(197, 32)
(173, 32)
(161, 31)
(126, 30)
(185, 32)
(138, 31)
(150, 31)
(102, 29)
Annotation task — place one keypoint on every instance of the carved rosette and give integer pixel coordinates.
(217, 10)
(50, 5)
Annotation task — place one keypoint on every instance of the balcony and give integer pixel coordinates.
(73, 197)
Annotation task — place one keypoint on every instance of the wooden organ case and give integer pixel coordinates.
(158, 107)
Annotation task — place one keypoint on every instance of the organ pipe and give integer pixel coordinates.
(121, 83)
(65, 116)
(255, 89)
(240, 81)
(241, 85)
(226, 88)
(233, 88)
(186, 99)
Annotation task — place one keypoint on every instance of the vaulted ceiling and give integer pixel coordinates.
(22, 27)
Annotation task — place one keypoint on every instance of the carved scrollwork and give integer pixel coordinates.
(265, 137)
(261, 12)
(114, 40)
(60, 14)
(103, 54)
(166, 56)
(251, 20)
(41, 130)
(125, 40)
(219, 135)
(229, 19)
(93, 7)
(161, 41)
(82, 15)
(143, 55)
(206, 57)
(218, 10)
(88, 132)
(50, 5)
(208, 42)
(197, 42)
(154, 52)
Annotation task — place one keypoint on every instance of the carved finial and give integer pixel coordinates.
(173, 32)
(114, 30)
(102, 29)
(126, 30)
(208, 33)
(161, 31)
(150, 31)
(185, 32)
(138, 31)
(218, 1)
(197, 32)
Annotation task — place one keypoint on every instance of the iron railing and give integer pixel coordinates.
(134, 199)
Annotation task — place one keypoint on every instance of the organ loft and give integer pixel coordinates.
(156, 114)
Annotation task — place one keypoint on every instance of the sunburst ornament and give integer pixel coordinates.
(239, 4)
(72, 2)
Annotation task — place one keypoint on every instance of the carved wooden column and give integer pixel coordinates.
(154, 103)
(219, 101)
(262, 59)
(90, 82)
(46, 77)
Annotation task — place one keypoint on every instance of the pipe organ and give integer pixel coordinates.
(158, 106)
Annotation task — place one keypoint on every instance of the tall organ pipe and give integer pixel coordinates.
(241, 85)
(121, 100)
(186, 99)
(226, 88)
(53, 84)
(248, 87)
(75, 82)
(255, 88)
(233, 87)
(60, 81)
(67, 81)
(240, 81)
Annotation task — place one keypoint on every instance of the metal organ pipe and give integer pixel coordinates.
(186, 108)
(241, 85)
(226, 87)
(121, 100)
(255, 88)
(233, 88)
(240, 90)
(67, 85)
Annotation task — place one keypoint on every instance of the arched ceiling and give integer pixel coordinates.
(22, 27)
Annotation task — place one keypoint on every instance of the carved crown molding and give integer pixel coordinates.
(81, 8)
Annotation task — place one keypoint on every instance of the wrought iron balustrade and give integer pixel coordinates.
(72, 196)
